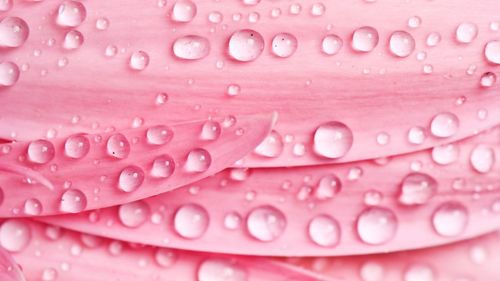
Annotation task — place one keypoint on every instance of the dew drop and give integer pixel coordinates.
(32, 207)
(76, 146)
(417, 135)
(161, 99)
(49, 274)
(492, 52)
(233, 90)
(198, 160)
(433, 39)
(318, 9)
(295, 9)
(450, 219)
(111, 51)
(215, 17)
(211, 130)
(73, 40)
(284, 45)
(191, 47)
(266, 223)
(445, 154)
(488, 79)
(9, 74)
(332, 140)
(372, 271)
(364, 39)
(419, 272)
(41, 151)
(13, 32)
(417, 189)
(6, 5)
(191, 221)
(372, 197)
(376, 225)
(165, 257)
(232, 221)
(139, 60)
(327, 187)
(183, 11)
(118, 146)
(102, 23)
(215, 269)
(466, 32)
(324, 231)
(401, 44)
(331, 44)
(130, 178)
(71, 14)
(15, 235)
(246, 45)
(482, 158)
(163, 166)
(444, 125)
(73, 201)
(414, 22)
(271, 146)
(159, 135)
(133, 214)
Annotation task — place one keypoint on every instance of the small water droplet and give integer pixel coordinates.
(372, 271)
(71, 14)
(271, 146)
(418, 272)
(215, 17)
(466, 32)
(73, 201)
(76, 146)
(9, 74)
(284, 45)
(183, 11)
(139, 60)
(482, 158)
(372, 197)
(41, 151)
(401, 44)
(376, 225)
(191, 221)
(383, 138)
(266, 223)
(478, 255)
(165, 257)
(239, 174)
(198, 160)
(332, 140)
(444, 125)
(295, 9)
(32, 207)
(445, 154)
(233, 90)
(318, 9)
(488, 79)
(417, 189)
(102, 23)
(215, 269)
(450, 219)
(73, 40)
(159, 135)
(111, 51)
(118, 146)
(433, 39)
(414, 22)
(163, 166)
(130, 178)
(133, 214)
(15, 235)
(417, 135)
(49, 274)
(492, 51)
(211, 130)
(246, 45)
(327, 187)
(191, 47)
(324, 231)
(331, 44)
(364, 39)
(13, 32)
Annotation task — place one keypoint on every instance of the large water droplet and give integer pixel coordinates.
(284, 45)
(221, 270)
(246, 45)
(324, 231)
(191, 221)
(73, 40)
(71, 14)
(13, 32)
(159, 135)
(198, 160)
(376, 225)
(444, 125)
(15, 235)
(163, 166)
(183, 11)
(401, 44)
(450, 219)
(328, 186)
(332, 140)
(466, 32)
(133, 214)
(364, 39)
(73, 201)
(118, 146)
(417, 189)
(445, 154)
(482, 158)
(191, 47)
(266, 223)
(41, 151)
(419, 272)
(130, 178)
(331, 44)
(76, 146)
(211, 130)
(32, 207)
(9, 74)
(271, 146)
(139, 60)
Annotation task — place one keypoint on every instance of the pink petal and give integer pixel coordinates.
(9, 270)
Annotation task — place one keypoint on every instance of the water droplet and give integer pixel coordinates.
(215, 269)
(284, 45)
(6, 5)
(215, 17)
(271, 146)
(376, 225)
(328, 186)
(233, 90)
(32, 207)
(433, 39)
(198, 160)
(450, 219)
(191, 221)
(183, 11)
(478, 255)
(76, 146)
(331, 44)
(417, 135)
(250, 2)
(232, 221)
(266, 223)
(133, 214)
(41, 151)
(364, 39)
(444, 125)
(49, 274)
(383, 138)
(13, 32)
(130, 178)
(102, 23)
(428, 69)
(211, 130)
(163, 166)
(15, 235)
(165, 257)
(332, 140)
(445, 154)
(9, 74)
(71, 14)
(419, 272)
(318, 9)
(401, 44)
(482, 158)
(73, 40)
(246, 45)
(111, 51)
(253, 17)
(492, 52)
(324, 231)
(414, 22)
(295, 9)
(118, 146)
(73, 201)
(139, 60)
(372, 197)
(417, 189)
(159, 135)
(466, 32)
(488, 79)
(372, 271)
(191, 47)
